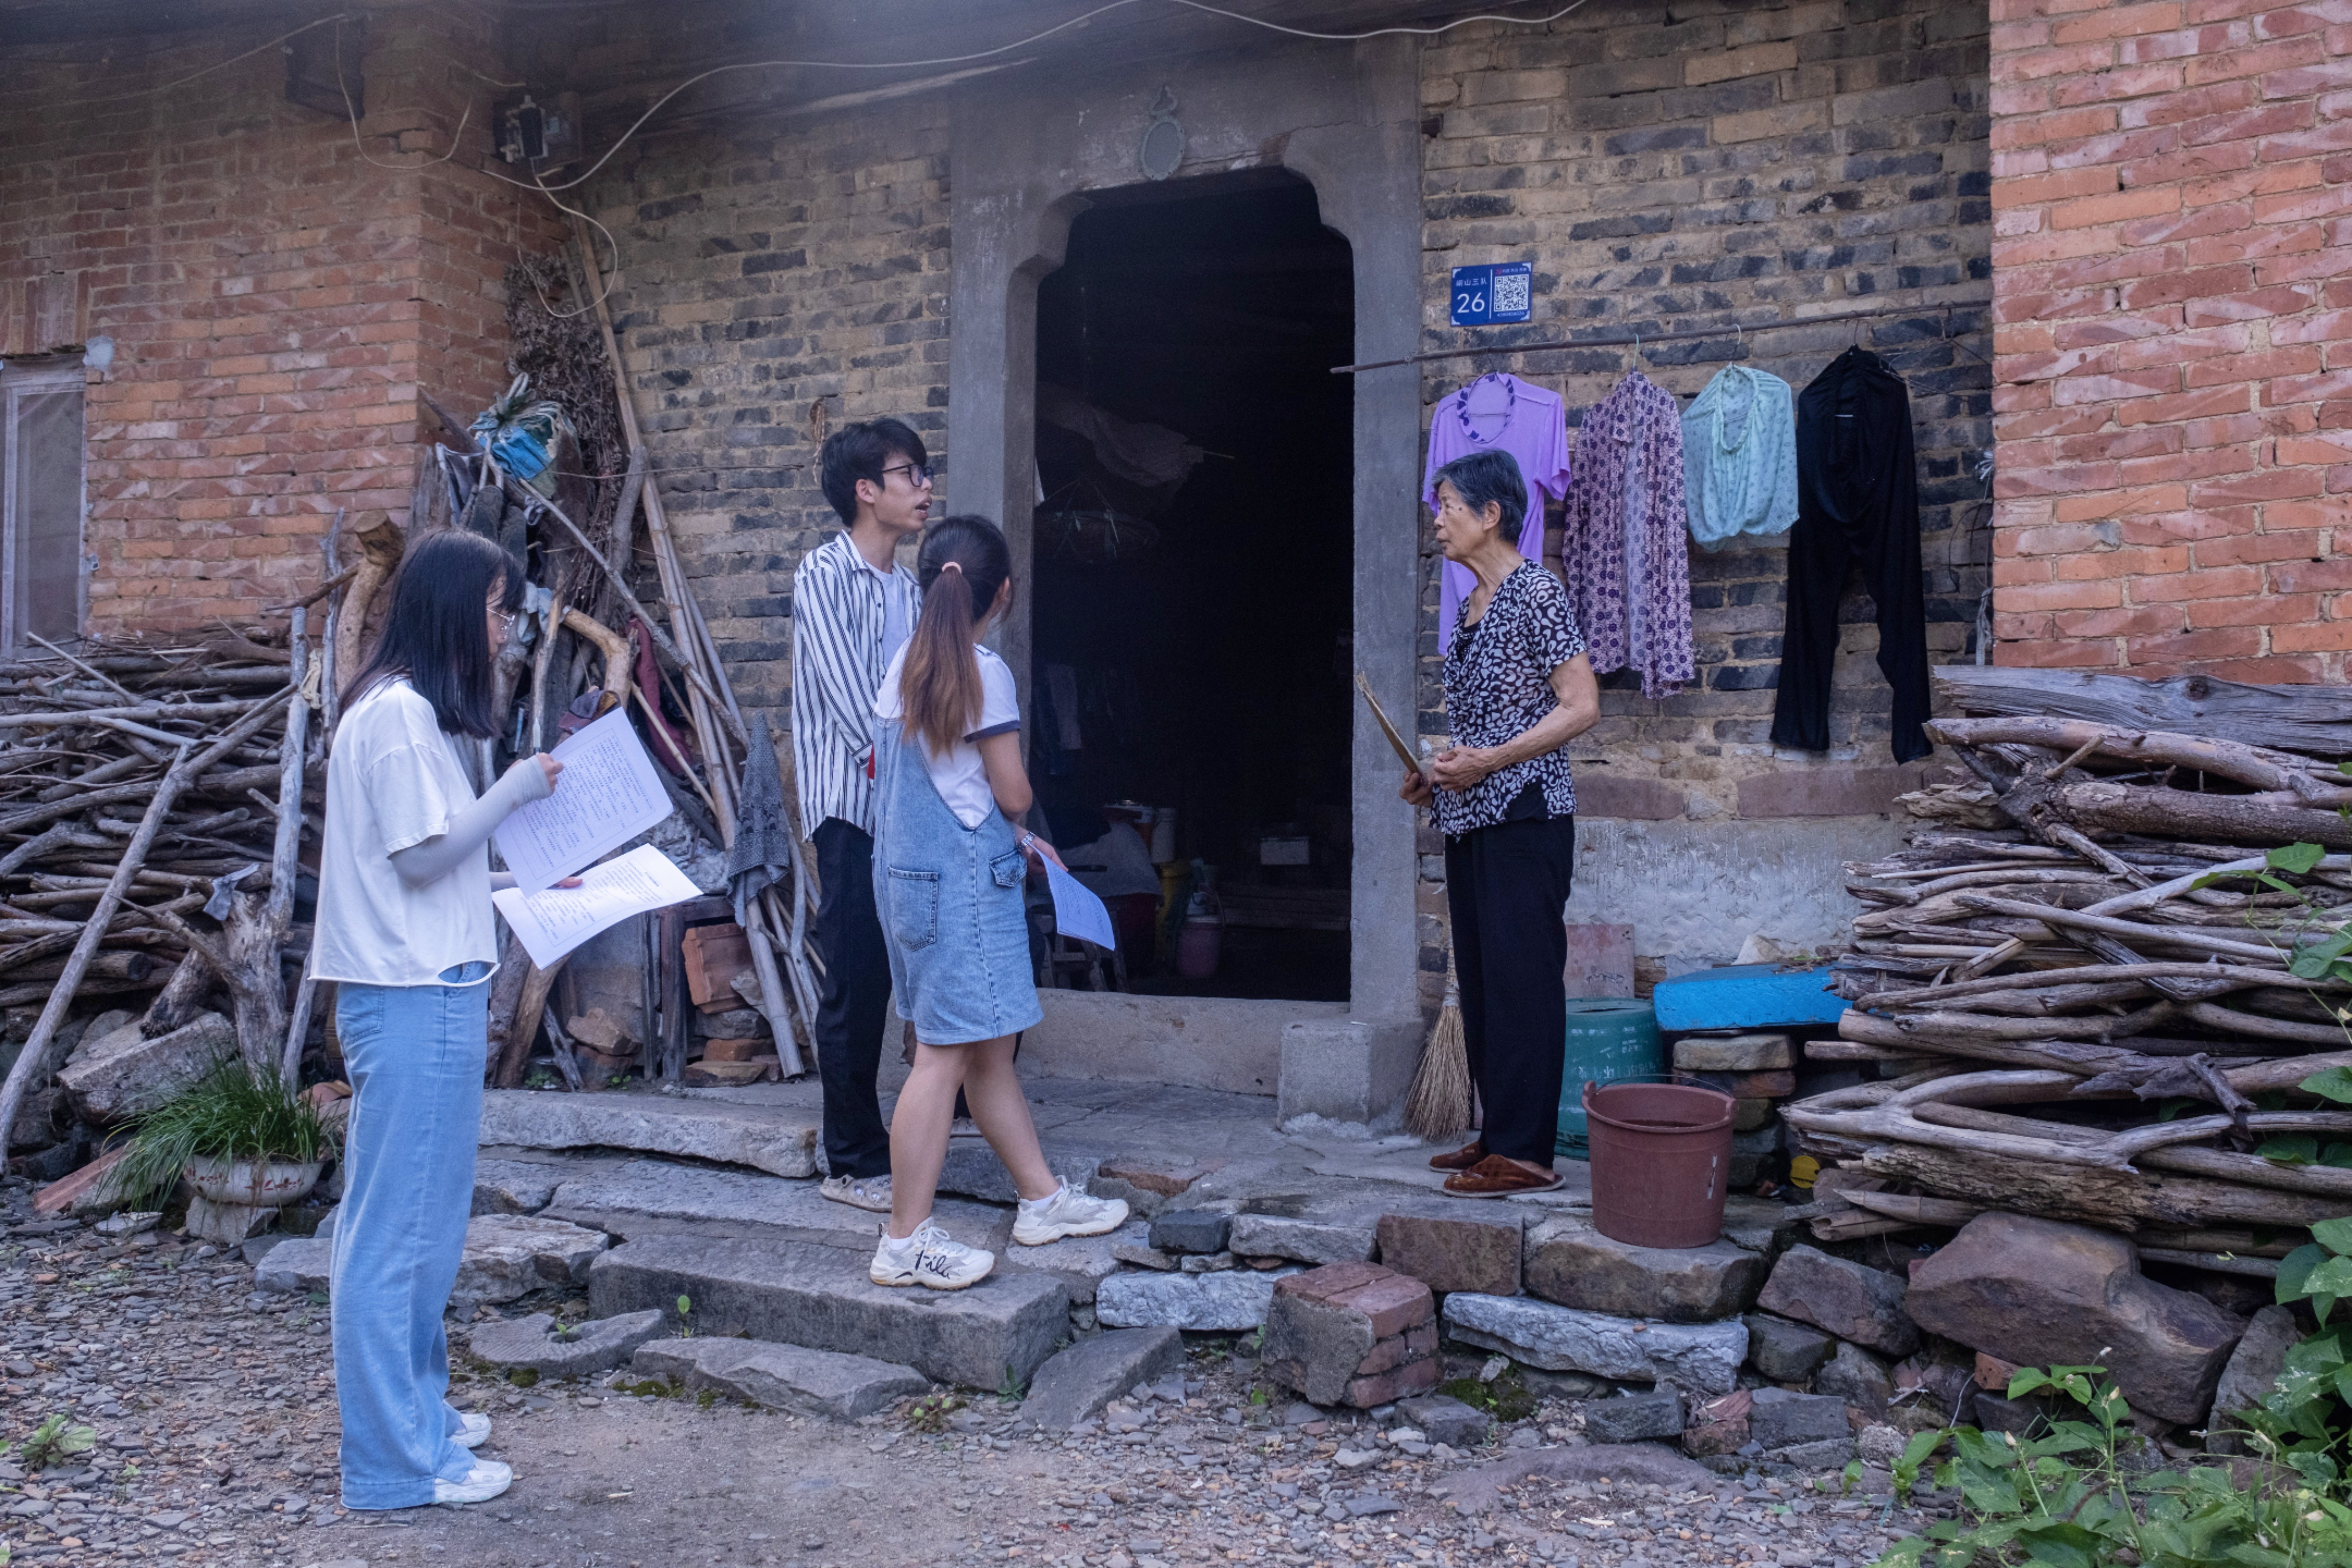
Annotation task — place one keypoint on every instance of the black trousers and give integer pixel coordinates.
(855, 993)
(1507, 886)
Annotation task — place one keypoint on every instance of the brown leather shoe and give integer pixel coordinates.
(1462, 1159)
(1496, 1177)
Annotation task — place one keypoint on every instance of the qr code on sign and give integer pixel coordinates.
(1510, 292)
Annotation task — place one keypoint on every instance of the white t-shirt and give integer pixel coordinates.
(959, 775)
(395, 779)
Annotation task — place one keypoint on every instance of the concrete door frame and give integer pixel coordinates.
(1026, 150)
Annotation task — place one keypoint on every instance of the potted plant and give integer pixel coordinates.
(237, 1136)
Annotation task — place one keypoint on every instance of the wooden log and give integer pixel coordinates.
(1946, 1212)
(183, 995)
(2106, 926)
(237, 779)
(2103, 805)
(2122, 1199)
(382, 543)
(2257, 767)
(2214, 1262)
(2313, 720)
(529, 1007)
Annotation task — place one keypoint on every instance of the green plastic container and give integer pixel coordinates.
(1610, 1039)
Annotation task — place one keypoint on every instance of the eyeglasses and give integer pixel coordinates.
(917, 475)
(507, 620)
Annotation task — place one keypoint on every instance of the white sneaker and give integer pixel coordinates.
(931, 1259)
(485, 1480)
(474, 1432)
(859, 1191)
(1068, 1212)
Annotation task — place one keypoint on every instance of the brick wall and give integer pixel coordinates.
(758, 279)
(2173, 285)
(275, 301)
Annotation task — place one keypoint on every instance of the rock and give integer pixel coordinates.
(782, 1377)
(629, 1198)
(778, 1140)
(973, 1171)
(1144, 1258)
(297, 1266)
(1880, 1445)
(1702, 1357)
(514, 1186)
(1785, 1352)
(1448, 1421)
(1157, 1174)
(1571, 1263)
(1475, 1490)
(600, 1031)
(1856, 1376)
(1849, 1299)
(1633, 1417)
(1191, 1230)
(225, 1224)
(1993, 1373)
(820, 1297)
(1206, 1262)
(1079, 1382)
(1305, 1238)
(532, 1343)
(511, 1255)
(1232, 1302)
(1779, 1418)
(1351, 1334)
(1754, 1156)
(130, 1223)
(1455, 1252)
(2253, 1368)
(2041, 1293)
(1720, 1426)
(1734, 1053)
(1080, 1262)
(124, 1074)
(739, 1023)
(1820, 1454)
(2027, 1417)
(38, 1120)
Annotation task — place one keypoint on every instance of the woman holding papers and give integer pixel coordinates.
(949, 864)
(1518, 687)
(405, 929)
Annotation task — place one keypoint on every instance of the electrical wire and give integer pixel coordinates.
(181, 82)
(352, 110)
(1079, 20)
(611, 273)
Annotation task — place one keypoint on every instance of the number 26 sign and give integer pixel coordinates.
(1500, 291)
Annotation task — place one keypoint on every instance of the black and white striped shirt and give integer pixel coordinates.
(839, 612)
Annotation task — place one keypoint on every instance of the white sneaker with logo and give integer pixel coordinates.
(929, 1258)
(485, 1480)
(1067, 1213)
(871, 1193)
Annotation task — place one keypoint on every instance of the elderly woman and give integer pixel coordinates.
(1518, 687)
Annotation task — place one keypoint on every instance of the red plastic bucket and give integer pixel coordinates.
(1660, 1161)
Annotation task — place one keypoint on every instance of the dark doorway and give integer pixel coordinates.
(1193, 560)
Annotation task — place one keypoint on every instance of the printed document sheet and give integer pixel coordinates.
(553, 921)
(608, 794)
(1077, 911)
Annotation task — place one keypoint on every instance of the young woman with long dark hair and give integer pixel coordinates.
(404, 929)
(949, 858)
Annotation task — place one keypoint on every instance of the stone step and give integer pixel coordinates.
(777, 1139)
(782, 1377)
(507, 1256)
(820, 1298)
(633, 1198)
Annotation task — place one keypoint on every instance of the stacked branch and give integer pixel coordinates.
(2081, 978)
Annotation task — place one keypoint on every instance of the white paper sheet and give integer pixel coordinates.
(554, 920)
(1077, 911)
(608, 794)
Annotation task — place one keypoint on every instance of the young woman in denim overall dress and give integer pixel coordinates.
(949, 864)
(405, 929)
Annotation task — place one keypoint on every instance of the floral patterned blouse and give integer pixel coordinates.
(1497, 687)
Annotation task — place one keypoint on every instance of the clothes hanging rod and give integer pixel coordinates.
(1638, 339)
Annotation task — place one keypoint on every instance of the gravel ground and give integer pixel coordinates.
(216, 1429)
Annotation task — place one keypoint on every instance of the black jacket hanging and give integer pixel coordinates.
(1857, 503)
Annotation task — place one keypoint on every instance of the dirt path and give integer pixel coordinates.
(213, 1415)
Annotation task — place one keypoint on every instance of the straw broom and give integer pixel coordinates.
(1438, 1105)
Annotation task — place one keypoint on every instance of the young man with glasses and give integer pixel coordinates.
(852, 607)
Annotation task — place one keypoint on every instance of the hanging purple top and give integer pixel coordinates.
(1497, 413)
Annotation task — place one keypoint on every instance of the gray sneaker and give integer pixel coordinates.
(871, 1193)
(1068, 1212)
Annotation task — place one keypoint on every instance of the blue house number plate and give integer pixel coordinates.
(1504, 292)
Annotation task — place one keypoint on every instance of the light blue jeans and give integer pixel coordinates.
(415, 1054)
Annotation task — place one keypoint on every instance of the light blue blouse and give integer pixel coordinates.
(1739, 458)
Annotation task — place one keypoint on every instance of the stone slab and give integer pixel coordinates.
(1640, 1464)
(1234, 1301)
(1734, 1053)
(1702, 1357)
(1634, 1417)
(124, 1074)
(300, 1265)
(820, 1297)
(1478, 1251)
(1079, 1382)
(633, 1198)
(533, 1344)
(515, 1186)
(2251, 1369)
(1312, 1237)
(839, 1386)
(1779, 1418)
(508, 1255)
(1847, 1298)
(1442, 1419)
(973, 1171)
(1080, 1262)
(778, 1139)
(1782, 1351)
(1859, 1378)
(1191, 1230)
(1571, 1263)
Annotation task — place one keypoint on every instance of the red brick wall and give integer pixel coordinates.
(276, 301)
(2172, 274)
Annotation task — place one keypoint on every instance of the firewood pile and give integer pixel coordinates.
(2080, 981)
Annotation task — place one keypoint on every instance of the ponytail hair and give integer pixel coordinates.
(963, 565)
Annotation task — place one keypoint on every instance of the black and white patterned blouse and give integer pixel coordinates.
(1497, 687)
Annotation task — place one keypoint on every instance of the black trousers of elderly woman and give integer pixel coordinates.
(1507, 886)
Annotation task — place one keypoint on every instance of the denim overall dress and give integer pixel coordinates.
(949, 899)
